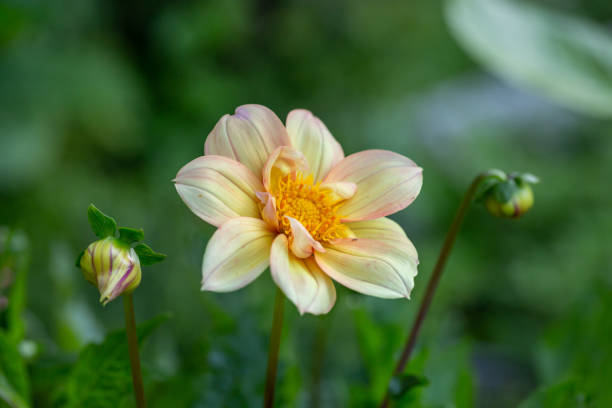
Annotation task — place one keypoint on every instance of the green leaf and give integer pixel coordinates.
(101, 377)
(101, 224)
(14, 388)
(147, 256)
(565, 58)
(16, 257)
(374, 337)
(130, 235)
(401, 385)
(566, 393)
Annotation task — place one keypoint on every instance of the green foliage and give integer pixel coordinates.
(130, 235)
(374, 337)
(402, 387)
(566, 58)
(14, 262)
(17, 305)
(565, 394)
(451, 373)
(147, 256)
(101, 377)
(572, 349)
(101, 224)
(14, 387)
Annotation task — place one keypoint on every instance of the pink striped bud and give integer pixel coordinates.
(112, 266)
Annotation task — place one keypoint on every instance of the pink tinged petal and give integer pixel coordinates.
(386, 183)
(284, 160)
(303, 244)
(369, 266)
(218, 189)
(384, 229)
(310, 136)
(268, 213)
(237, 253)
(340, 190)
(299, 280)
(249, 136)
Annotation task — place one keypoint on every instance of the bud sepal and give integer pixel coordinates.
(101, 224)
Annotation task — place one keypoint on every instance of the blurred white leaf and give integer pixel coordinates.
(565, 58)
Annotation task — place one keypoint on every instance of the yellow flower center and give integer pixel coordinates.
(313, 206)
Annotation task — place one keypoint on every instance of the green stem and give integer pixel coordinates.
(275, 337)
(132, 339)
(449, 241)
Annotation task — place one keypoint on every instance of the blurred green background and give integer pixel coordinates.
(104, 101)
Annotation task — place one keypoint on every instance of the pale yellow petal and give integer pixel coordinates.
(386, 183)
(303, 244)
(237, 253)
(368, 266)
(249, 136)
(339, 190)
(218, 189)
(300, 280)
(310, 136)
(325, 297)
(284, 160)
(383, 229)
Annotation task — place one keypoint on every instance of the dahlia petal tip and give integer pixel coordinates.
(217, 189)
(309, 135)
(236, 254)
(247, 136)
(387, 182)
(370, 266)
(303, 244)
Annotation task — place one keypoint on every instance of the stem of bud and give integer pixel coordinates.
(468, 198)
(132, 339)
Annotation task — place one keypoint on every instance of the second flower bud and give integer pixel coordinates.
(112, 266)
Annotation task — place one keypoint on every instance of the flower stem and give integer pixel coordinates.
(275, 337)
(132, 339)
(449, 241)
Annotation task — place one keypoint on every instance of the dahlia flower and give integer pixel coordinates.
(286, 197)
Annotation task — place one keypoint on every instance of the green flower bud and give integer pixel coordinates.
(510, 198)
(112, 266)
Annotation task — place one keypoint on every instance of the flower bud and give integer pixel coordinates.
(509, 199)
(112, 266)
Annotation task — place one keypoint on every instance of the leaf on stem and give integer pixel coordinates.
(130, 235)
(147, 256)
(101, 224)
(401, 385)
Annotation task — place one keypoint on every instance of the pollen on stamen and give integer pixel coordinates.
(300, 198)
